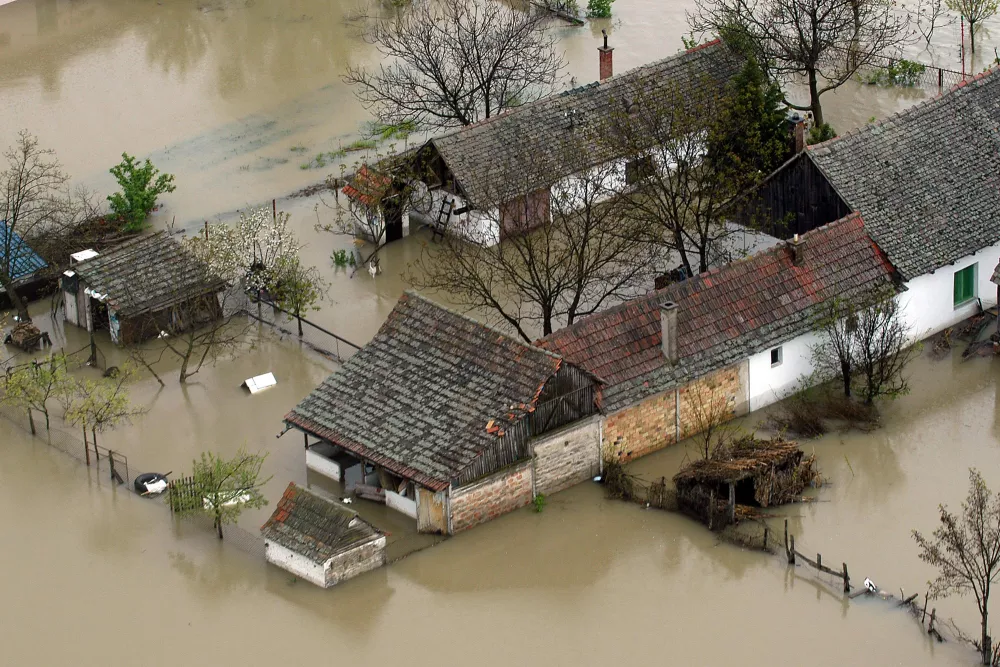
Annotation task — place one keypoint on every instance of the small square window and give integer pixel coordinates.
(965, 285)
(775, 357)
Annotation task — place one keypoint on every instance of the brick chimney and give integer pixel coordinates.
(607, 70)
(668, 331)
(799, 132)
(798, 247)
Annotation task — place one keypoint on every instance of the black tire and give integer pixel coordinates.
(146, 478)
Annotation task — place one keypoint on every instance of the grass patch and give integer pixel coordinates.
(298, 149)
(323, 159)
(360, 145)
(390, 132)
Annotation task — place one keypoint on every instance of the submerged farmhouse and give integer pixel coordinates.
(457, 423)
(740, 334)
(320, 540)
(927, 182)
(140, 288)
(495, 177)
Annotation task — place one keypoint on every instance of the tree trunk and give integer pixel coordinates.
(986, 645)
(218, 522)
(46, 413)
(845, 372)
(814, 103)
(19, 305)
(298, 317)
(31, 421)
(972, 36)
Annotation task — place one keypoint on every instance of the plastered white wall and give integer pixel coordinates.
(324, 466)
(298, 565)
(767, 383)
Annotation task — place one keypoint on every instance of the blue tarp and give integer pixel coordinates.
(25, 261)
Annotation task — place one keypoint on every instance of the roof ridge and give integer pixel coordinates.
(487, 327)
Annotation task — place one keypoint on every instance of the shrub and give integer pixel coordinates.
(820, 133)
(539, 502)
(599, 9)
(141, 185)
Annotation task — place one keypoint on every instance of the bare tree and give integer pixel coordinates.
(453, 63)
(34, 200)
(565, 252)
(881, 348)
(823, 41)
(836, 351)
(975, 12)
(103, 405)
(965, 549)
(710, 410)
(691, 150)
(931, 15)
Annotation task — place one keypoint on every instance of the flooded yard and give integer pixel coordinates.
(220, 93)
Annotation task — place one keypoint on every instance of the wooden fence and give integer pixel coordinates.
(563, 410)
(183, 494)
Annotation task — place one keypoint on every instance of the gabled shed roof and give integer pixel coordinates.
(488, 154)
(315, 527)
(429, 394)
(926, 180)
(723, 315)
(147, 274)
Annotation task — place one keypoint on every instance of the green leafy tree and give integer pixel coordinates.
(599, 9)
(975, 12)
(226, 487)
(31, 387)
(141, 184)
(103, 405)
(965, 549)
(756, 113)
(300, 288)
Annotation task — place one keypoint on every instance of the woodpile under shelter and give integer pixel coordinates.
(320, 540)
(452, 422)
(751, 472)
(140, 288)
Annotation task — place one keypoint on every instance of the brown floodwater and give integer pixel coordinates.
(219, 92)
(588, 581)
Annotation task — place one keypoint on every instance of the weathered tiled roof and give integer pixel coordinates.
(926, 180)
(535, 136)
(724, 315)
(315, 527)
(147, 274)
(419, 397)
(24, 261)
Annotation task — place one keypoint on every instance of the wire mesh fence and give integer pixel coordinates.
(116, 469)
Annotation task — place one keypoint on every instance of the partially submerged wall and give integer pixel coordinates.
(295, 563)
(358, 560)
(567, 456)
(491, 496)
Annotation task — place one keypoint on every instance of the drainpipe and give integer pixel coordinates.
(677, 416)
(447, 510)
(600, 435)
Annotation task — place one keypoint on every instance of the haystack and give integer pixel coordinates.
(749, 472)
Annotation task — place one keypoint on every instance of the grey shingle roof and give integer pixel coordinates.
(723, 315)
(418, 398)
(926, 180)
(315, 527)
(536, 134)
(147, 274)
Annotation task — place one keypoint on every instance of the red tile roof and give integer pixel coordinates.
(367, 186)
(724, 315)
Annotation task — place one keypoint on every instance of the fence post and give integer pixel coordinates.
(847, 580)
(940, 77)
(791, 554)
(111, 462)
(711, 508)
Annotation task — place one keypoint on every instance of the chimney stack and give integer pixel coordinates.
(607, 70)
(800, 136)
(668, 330)
(797, 246)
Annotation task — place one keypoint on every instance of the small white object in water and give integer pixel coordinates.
(598, 478)
(346, 501)
(372, 269)
(260, 382)
(870, 585)
(159, 486)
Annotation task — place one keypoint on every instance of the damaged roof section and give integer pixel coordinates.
(724, 315)
(430, 393)
(147, 274)
(315, 527)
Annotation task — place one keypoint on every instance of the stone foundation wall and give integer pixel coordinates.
(568, 456)
(488, 498)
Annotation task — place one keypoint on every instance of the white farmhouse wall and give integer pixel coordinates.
(481, 227)
(407, 506)
(928, 303)
(324, 466)
(298, 565)
(767, 383)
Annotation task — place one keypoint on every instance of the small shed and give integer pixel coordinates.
(24, 266)
(320, 540)
(752, 472)
(140, 288)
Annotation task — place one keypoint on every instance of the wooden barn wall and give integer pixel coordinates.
(509, 448)
(794, 200)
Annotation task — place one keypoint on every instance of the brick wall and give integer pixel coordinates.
(654, 423)
(490, 497)
(568, 456)
(359, 560)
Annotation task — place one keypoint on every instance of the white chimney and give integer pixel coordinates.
(668, 331)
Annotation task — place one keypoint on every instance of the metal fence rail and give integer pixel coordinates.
(319, 339)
